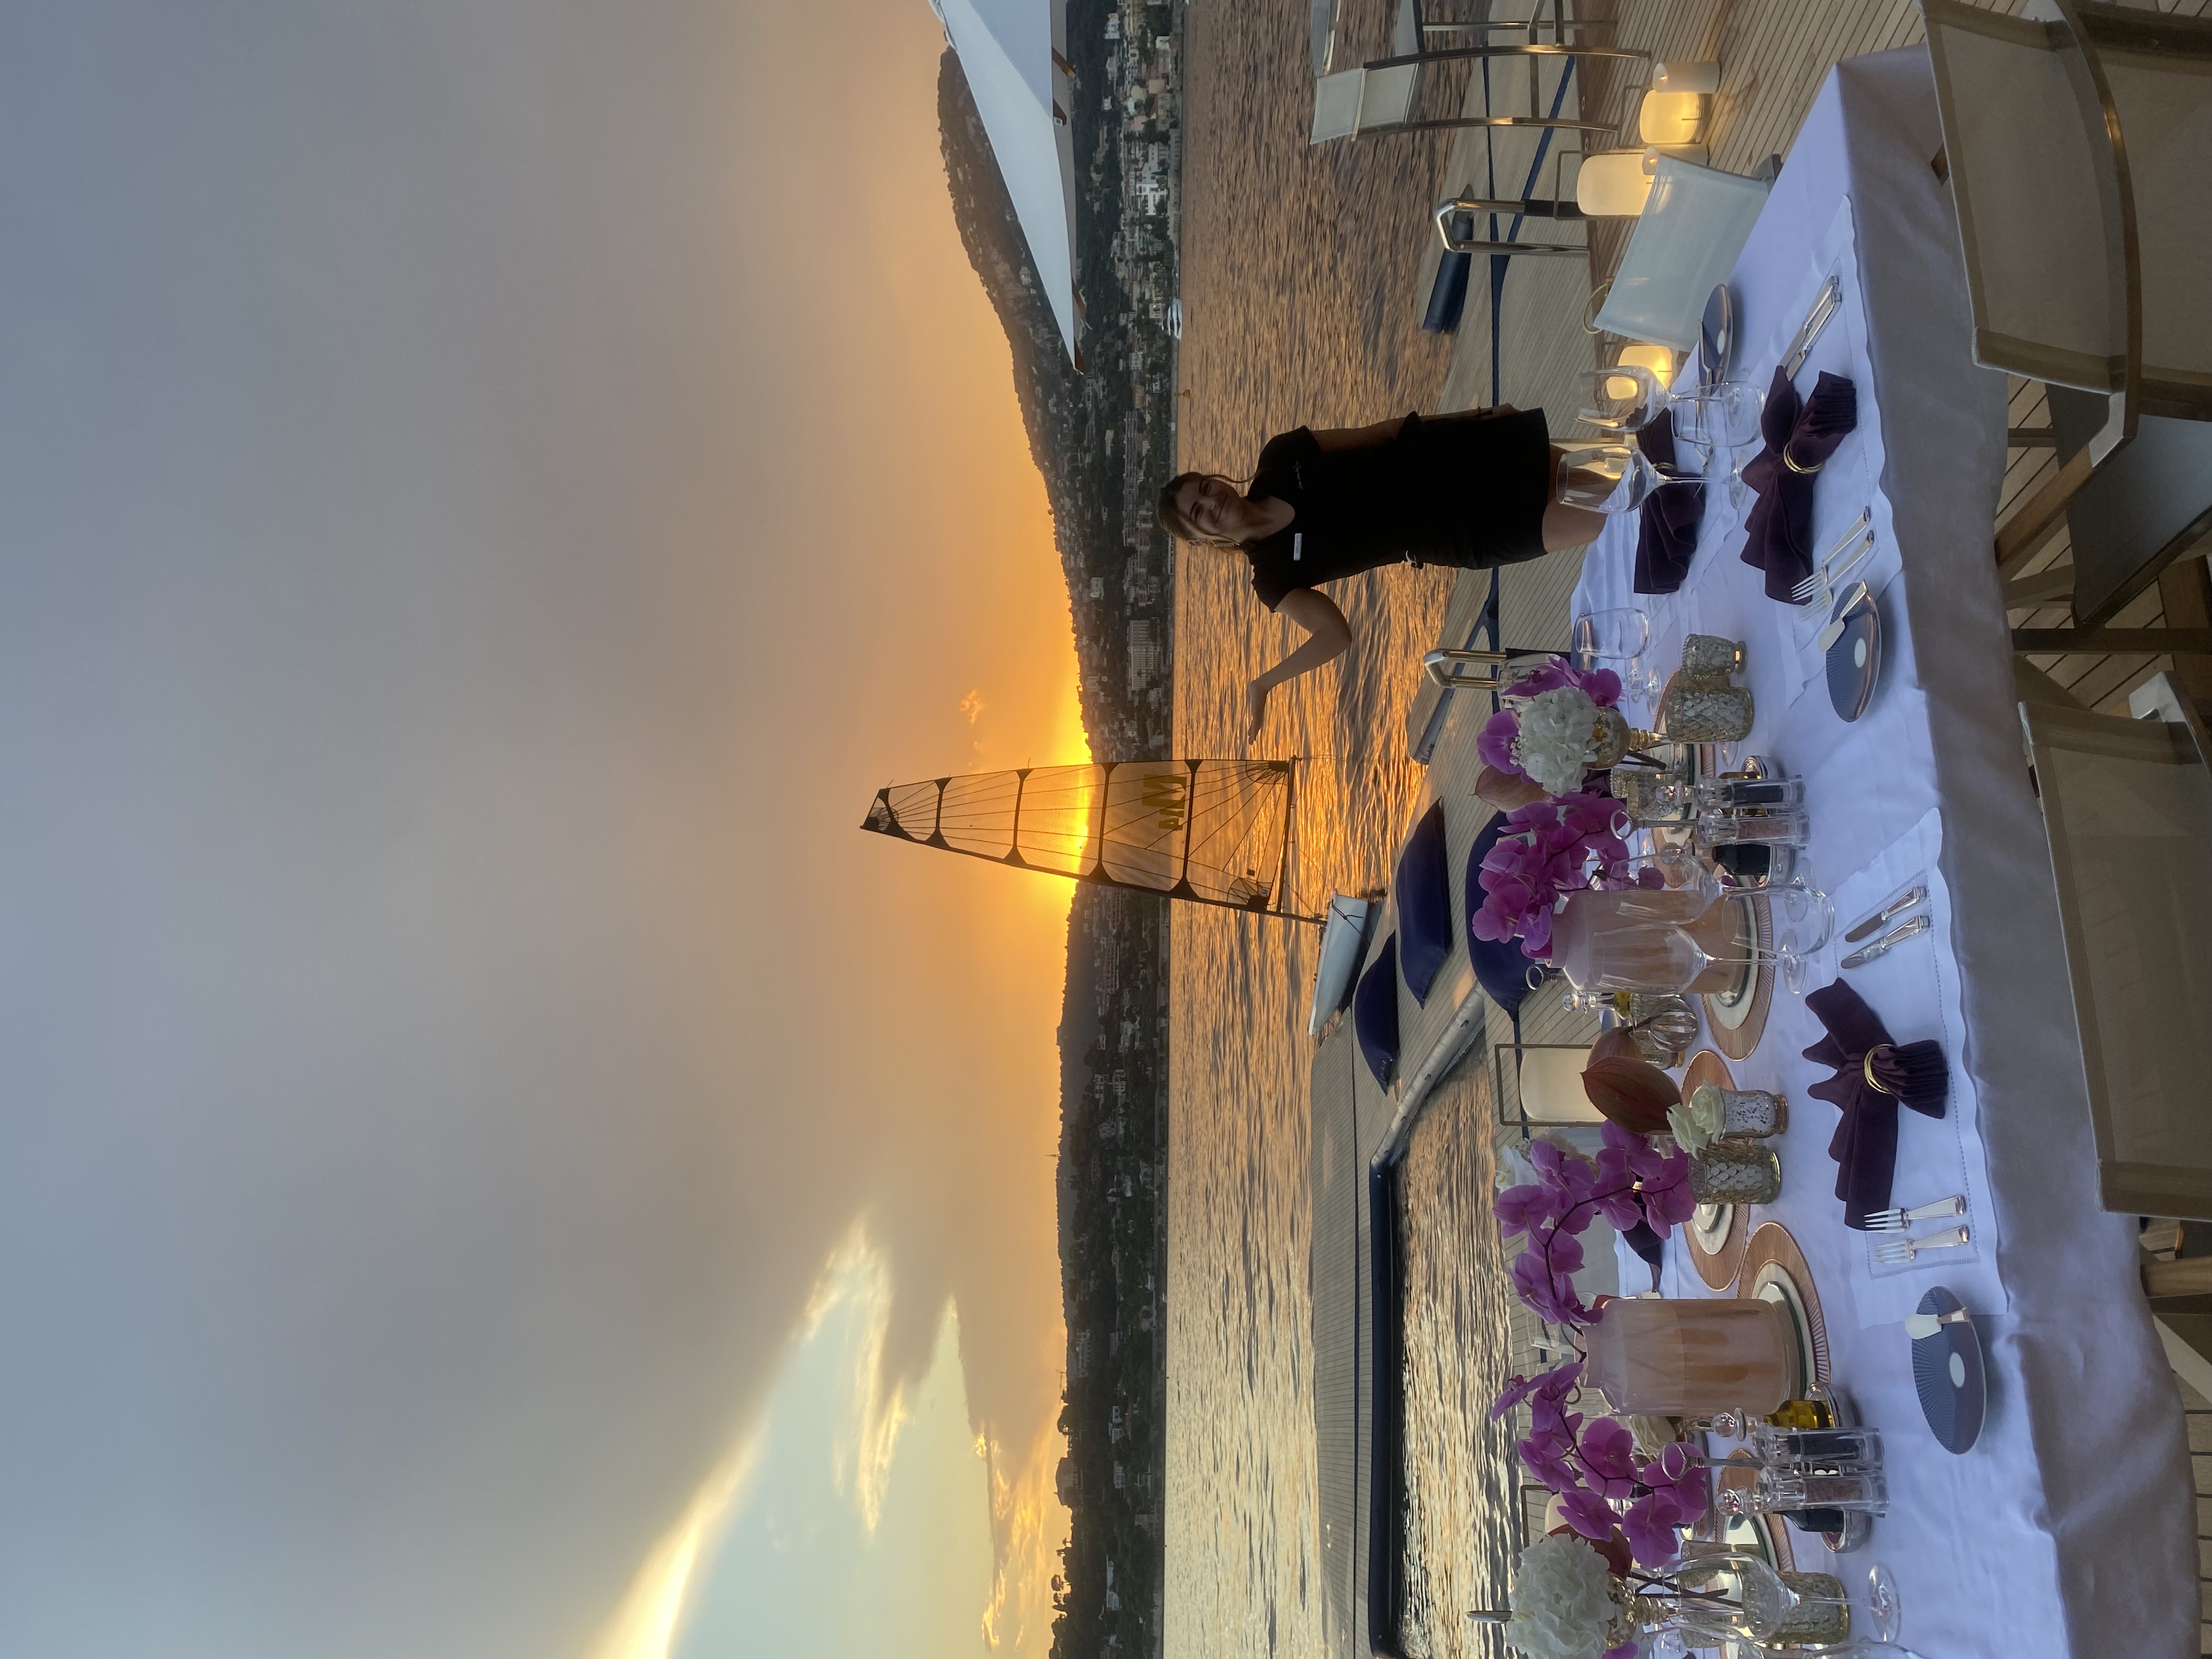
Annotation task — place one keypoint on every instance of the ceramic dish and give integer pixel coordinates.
(1737, 1015)
(1946, 1370)
(1855, 661)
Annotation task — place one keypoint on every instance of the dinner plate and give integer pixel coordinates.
(1737, 1015)
(1946, 1370)
(1774, 1270)
(1855, 660)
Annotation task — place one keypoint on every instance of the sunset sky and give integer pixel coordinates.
(496, 1162)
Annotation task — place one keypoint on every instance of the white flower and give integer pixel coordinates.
(1699, 1124)
(1562, 1600)
(1554, 743)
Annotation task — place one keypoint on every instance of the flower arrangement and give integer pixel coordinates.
(1566, 1602)
(1592, 1465)
(1547, 848)
(1697, 1121)
(1550, 730)
(1630, 1182)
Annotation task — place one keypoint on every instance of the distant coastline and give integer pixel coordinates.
(1104, 442)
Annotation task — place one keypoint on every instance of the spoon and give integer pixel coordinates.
(1848, 601)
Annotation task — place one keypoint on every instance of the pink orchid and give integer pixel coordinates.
(1520, 1208)
(1554, 1385)
(1651, 1524)
(1588, 1513)
(1493, 744)
(1609, 1453)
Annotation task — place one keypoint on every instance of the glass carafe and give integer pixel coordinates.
(1644, 939)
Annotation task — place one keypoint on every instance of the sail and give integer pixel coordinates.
(1212, 831)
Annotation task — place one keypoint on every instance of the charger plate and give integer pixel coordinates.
(1737, 1015)
(1715, 1235)
(1947, 1371)
(1774, 1270)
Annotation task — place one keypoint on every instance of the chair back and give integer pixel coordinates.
(1356, 100)
(2154, 74)
(1692, 230)
(2127, 806)
(2038, 199)
(2148, 504)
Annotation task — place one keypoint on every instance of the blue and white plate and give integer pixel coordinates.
(1947, 1369)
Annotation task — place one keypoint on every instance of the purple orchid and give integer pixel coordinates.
(1548, 848)
(1609, 1453)
(1650, 1523)
(1589, 1514)
(1554, 1385)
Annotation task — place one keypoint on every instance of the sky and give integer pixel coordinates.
(490, 1156)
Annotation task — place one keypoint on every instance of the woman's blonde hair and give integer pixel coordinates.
(1171, 513)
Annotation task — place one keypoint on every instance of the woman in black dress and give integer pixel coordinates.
(1472, 490)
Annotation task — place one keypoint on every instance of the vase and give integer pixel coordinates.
(1736, 1172)
(1711, 655)
(1745, 1114)
(1704, 710)
(1694, 1356)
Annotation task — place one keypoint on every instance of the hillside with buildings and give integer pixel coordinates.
(1102, 431)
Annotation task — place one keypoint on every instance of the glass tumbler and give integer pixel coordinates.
(1694, 711)
(1712, 653)
(1745, 1114)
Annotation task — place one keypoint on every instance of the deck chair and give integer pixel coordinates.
(2076, 153)
(1688, 238)
(2127, 804)
(1381, 96)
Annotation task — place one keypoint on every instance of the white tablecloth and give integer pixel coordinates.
(2069, 1527)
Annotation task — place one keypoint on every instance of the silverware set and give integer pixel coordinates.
(1913, 927)
(1896, 1221)
(1894, 1249)
(1826, 304)
(1817, 591)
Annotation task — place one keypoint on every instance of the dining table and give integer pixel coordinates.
(2069, 1526)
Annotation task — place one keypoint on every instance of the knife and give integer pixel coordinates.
(1824, 306)
(1895, 936)
(1896, 907)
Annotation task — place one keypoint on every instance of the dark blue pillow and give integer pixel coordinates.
(1375, 1011)
(1423, 898)
(1501, 968)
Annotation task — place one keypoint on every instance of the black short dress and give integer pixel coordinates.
(1467, 490)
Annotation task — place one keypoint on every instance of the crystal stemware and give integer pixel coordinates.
(1883, 1609)
(1623, 398)
(1804, 918)
(1611, 478)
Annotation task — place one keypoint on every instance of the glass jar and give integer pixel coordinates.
(1745, 1114)
(1693, 1357)
(1736, 1172)
(1732, 793)
(1705, 712)
(1788, 827)
(1710, 656)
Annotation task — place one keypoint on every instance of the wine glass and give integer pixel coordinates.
(1883, 1609)
(1804, 918)
(1615, 638)
(1722, 421)
(1611, 479)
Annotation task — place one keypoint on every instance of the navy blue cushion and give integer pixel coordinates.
(1501, 968)
(1375, 1011)
(1424, 897)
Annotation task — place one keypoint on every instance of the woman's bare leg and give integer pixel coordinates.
(1567, 526)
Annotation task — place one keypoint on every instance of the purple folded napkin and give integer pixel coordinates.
(1799, 441)
(1667, 536)
(1916, 1074)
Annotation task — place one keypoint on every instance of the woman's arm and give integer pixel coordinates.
(1328, 636)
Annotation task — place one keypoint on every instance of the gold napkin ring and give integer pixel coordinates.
(1803, 471)
(1872, 1080)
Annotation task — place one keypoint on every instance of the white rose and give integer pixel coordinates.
(1554, 743)
(1562, 1601)
(1698, 1124)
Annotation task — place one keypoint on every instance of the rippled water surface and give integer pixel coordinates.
(1298, 273)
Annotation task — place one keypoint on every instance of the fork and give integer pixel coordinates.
(1893, 1250)
(1895, 1221)
(1817, 580)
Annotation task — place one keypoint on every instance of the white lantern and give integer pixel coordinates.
(1671, 118)
(1612, 185)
